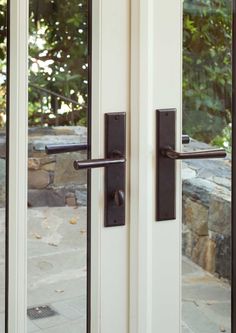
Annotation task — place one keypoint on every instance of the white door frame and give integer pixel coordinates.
(167, 87)
(18, 151)
(109, 307)
(141, 168)
(147, 273)
(110, 246)
(156, 51)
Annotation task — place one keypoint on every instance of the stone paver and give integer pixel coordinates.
(57, 267)
(2, 322)
(57, 277)
(71, 327)
(31, 327)
(72, 308)
(206, 301)
(185, 328)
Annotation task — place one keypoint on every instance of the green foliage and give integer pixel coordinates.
(3, 34)
(58, 59)
(58, 49)
(207, 74)
(224, 139)
(58, 62)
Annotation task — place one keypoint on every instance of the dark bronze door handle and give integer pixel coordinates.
(98, 163)
(175, 155)
(116, 156)
(166, 157)
(66, 148)
(185, 139)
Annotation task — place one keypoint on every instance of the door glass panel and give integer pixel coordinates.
(57, 194)
(207, 118)
(3, 140)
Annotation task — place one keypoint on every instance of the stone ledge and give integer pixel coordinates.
(52, 180)
(207, 212)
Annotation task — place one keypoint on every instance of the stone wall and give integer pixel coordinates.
(206, 193)
(207, 213)
(52, 180)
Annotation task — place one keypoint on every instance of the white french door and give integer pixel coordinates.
(107, 299)
(136, 69)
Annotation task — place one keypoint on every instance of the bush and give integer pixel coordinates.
(207, 73)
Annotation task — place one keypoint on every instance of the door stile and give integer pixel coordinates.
(96, 175)
(17, 183)
(167, 234)
(110, 93)
(155, 284)
(141, 166)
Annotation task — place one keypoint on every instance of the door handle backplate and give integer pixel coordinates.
(115, 173)
(166, 157)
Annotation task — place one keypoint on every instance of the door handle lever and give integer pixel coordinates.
(175, 155)
(65, 148)
(98, 163)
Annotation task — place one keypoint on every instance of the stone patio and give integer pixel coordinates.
(57, 277)
(206, 306)
(57, 268)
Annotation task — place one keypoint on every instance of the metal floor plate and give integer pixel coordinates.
(40, 312)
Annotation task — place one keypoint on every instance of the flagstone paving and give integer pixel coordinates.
(206, 306)
(57, 277)
(57, 268)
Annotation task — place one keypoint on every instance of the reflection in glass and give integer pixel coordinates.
(207, 116)
(3, 125)
(57, 194)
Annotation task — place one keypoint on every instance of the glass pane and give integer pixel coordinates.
(207, 116)
(3, 138)
(57, 194)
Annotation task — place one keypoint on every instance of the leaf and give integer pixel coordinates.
(73, 221)
(37, 236)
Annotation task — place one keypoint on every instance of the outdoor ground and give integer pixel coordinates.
(57, 277)
(206, 301)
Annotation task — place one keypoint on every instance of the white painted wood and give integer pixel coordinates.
(155, 247)
(167, 235)
(96, 176)
(142, 167)
(110, 246)
(18, 120)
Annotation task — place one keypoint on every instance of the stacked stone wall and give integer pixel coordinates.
(207, 213)
(52, 180)
(206, 227)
